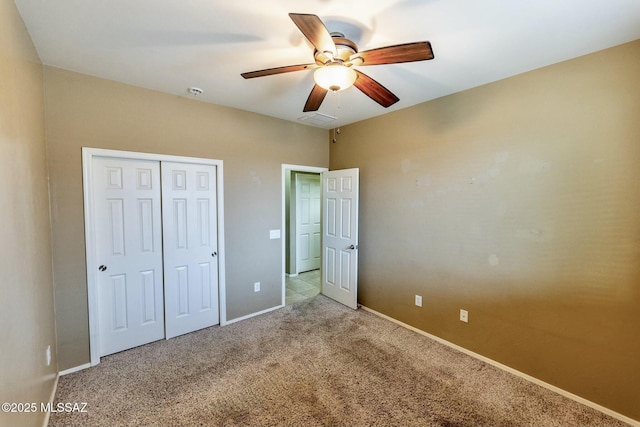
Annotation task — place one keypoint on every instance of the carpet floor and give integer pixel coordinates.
(313, 363)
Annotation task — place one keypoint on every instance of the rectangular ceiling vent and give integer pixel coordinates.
(317, 119)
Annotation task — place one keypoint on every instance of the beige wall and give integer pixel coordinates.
(87, 111)
(26, 284)
(517, 201)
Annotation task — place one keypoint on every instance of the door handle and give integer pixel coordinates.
(215, 254)
(102, 268)
(352, 247)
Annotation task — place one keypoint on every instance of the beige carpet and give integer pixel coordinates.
(314, 363)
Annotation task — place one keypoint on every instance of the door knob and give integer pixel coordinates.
(352, 247)
(215, 254)
(102, 268)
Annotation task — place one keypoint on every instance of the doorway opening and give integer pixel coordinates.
(301, 222)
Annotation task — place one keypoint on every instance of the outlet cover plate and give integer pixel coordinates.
(48, 355)
(464, 316)
(274, 234)
(419, 300)
(256, 287)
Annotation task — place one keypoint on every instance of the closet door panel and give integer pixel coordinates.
(128, 247)
(190, 247)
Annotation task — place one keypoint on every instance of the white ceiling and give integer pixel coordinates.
(171, 45)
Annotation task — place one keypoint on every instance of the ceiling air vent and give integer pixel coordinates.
(317, 119)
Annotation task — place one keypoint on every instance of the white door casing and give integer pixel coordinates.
(308, 225)
(190, 247)
(340, 235)
(129, 252)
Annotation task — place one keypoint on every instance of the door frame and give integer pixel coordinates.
(89, 220)
(293, 168)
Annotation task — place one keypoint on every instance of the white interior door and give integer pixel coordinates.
(307, 222)
(128, 252)
(340, 236)
(190, 247)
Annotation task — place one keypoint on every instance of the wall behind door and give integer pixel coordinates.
(519, 202)
(88, 111)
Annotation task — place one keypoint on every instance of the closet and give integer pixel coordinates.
(152, 247)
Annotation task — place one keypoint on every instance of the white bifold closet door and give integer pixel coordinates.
(129, 252)
(190, 247)
(156, 247)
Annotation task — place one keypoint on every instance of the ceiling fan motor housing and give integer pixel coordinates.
(344, 47)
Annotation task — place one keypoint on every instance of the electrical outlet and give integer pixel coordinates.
(419, 300)
(464, 316)
(256, 287)
(274, 234)
(48, 355)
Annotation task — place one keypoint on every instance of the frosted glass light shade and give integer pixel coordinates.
(335, 77)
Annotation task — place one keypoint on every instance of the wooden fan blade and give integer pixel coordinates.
(315, 98)
(315, 31)
(375, 90)
(277, 70)
(408, 52)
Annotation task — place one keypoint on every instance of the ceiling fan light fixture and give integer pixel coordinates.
(335, 77)
(335, 56)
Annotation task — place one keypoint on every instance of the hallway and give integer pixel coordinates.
(303, 286)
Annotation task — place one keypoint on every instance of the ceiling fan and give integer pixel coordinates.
(335, 56)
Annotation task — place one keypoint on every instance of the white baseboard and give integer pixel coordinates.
(51, 399)
(228, 322)
(74, 369)
(248, 316)
(499, 365)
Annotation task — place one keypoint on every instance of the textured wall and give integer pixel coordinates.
(517, 201)
(26, 283)
(87, 111)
